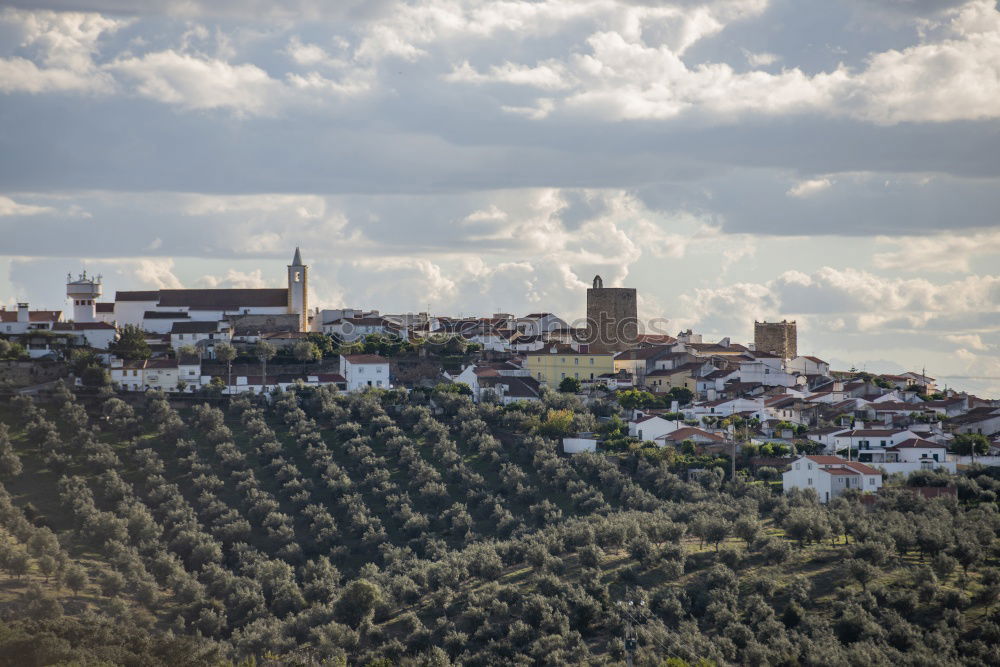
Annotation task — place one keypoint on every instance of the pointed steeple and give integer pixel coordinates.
(297, 260)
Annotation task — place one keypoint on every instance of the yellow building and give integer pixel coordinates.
(662, 381)
(554, 362)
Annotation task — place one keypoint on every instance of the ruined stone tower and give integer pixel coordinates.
(612, 318)
(780, 338)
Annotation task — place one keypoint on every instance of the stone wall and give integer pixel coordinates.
(14, 374)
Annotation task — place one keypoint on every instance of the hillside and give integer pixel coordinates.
(428, 530)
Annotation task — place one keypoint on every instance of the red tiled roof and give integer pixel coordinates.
(141, 295)
(841, 471)
(365, 359)
(329, 377)
(862, 468)
(8, 316)
(224, 298)
(826, 460)
(81, 326)
(690, 432)
(916, 443)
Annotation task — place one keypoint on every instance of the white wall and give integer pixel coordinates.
(577, 445)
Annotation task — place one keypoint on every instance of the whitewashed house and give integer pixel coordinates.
(806, 365)
(871, 438)
(910, 456)
(652, 427)
(362, 371)
(203, 335)
(830, 476)
(169, 375)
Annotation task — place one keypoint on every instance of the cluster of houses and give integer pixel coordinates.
(714, 395)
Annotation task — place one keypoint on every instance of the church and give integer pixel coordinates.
(162, 311)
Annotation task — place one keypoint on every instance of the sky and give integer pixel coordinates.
(832, 162)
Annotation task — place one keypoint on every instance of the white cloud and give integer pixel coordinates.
(196, 83)
(852, 299)
(973, 341)
(236, 279)
(808, 188)
(10, 207)
(948, 252)
(550, 75)
(156, 273)
(760, 59)
(625, 75)
(65, 44)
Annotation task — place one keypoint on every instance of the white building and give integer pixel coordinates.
(651, 427)
(351, 329)
(209, 305)
(170, 375)
(982, 421)
(806, 365)
(768, 371)
(539, 324)
(361, 371)
(871, 438)
(202, 335)
(98, 335)
(85, 293)
(582, 442)
(909, 456)
(23, 320)
(254, 384)
(830, 476)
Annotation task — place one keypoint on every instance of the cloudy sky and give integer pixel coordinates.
(836, 162)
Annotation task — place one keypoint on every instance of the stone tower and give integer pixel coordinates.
(612, 318)
(85, 292)
(780, 338)
(298, 290)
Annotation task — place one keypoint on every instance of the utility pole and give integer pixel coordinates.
(633, 611)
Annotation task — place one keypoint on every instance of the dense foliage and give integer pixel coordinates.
(424, 529)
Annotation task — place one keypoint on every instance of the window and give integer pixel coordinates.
(591, 361)
(871, 481)
(576, 360)
(883, 443)
(809, 465)
(809, 481)
(297, 277)
(797, 466)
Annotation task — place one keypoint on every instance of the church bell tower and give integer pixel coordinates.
(298, 290)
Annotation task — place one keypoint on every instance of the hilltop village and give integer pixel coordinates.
(229, 476)
(762, 402)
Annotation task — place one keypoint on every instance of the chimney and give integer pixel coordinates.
(22, 312)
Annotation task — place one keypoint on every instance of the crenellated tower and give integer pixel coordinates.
(85, 291)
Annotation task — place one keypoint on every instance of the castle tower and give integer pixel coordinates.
(612, 318)
(85, 292)
(298, 290)
(780, 338)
